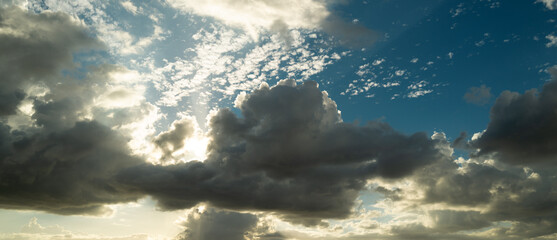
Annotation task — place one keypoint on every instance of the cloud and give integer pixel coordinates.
(522, 126)
(66, 172)
(34, 227)
(261, 14)
(552, 40)
(130, 7)
(550, 4)
(35, 231)
(173, 139)
(280, 16)
(290, 154)
(478, 95)
(214, 224)
(27, 58)
(60, 159)
(477, 194)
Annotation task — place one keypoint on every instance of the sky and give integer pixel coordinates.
(272, 120)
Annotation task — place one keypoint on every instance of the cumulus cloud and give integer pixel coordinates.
(66, 172)
(522, 126)
(214, 224)
(173, 139)
(290, 154)
(478, 95)
(59, 160)
(27, 58)
(280, 16)
(476, 194)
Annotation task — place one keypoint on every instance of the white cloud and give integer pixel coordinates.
(550, 4)
(258, 14)
(128, 5)
(552, 40)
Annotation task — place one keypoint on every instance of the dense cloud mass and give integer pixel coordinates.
(290, 154)
(57, 160)
(67, 172)
(523, 126)
(33, 51)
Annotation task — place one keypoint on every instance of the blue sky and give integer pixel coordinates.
(333, 119)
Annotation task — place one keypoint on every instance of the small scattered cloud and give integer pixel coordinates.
(552, 40)
(130, 7)
(550, 4)
(478, 95)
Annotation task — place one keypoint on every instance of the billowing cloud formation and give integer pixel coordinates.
(290, 154)
(279, 16)
(53, 155)
(477, 194)
(214, 224)
(33, 51)
(523, 126)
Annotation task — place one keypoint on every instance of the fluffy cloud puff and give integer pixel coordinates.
(290, 154)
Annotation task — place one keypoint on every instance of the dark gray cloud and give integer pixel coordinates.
(61, 163)
(478, 95)
(66, 172)
(289, 154)
(214, 224)
(35, 48)
(174, 138)
(523, 126)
